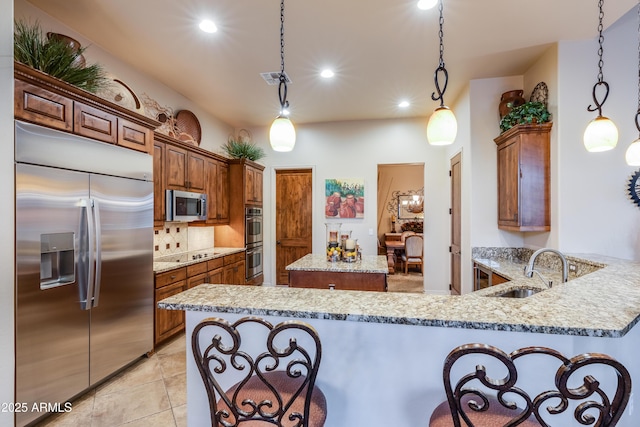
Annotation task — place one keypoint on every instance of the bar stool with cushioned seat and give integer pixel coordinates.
(274, 369)
(482, 399)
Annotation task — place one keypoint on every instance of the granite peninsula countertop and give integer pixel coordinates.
(170, 262)
(318, 262)
(602, 303)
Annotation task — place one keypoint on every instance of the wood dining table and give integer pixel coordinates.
(393, 246)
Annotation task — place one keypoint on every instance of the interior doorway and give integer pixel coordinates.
(294, 196)
(401, 201)
(456, 234)
(394, 181)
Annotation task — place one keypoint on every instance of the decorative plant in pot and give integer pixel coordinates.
(527, 113)
(56, 56)
(241, 147)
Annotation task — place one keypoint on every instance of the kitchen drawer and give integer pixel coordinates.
(215, 263)
(38, 105)
(195, 269)
(230, 259)
(199, 279)
(94, 123)
(163, 279)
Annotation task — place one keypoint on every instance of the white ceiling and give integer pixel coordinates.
(382, 50)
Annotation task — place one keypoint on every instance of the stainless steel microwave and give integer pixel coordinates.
(183, 206)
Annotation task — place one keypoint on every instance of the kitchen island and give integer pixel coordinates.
(314, 271)
(390, 347)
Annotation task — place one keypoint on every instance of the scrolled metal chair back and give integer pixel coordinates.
(218, 350)
(593, 407)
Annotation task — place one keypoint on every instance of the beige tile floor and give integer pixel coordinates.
(150, 393)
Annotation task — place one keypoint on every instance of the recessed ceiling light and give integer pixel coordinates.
(426, 4)
(208, 26)
(327, 73)
(404, 104)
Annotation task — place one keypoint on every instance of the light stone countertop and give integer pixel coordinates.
(170, 262)
(603, 303)
(318, 262)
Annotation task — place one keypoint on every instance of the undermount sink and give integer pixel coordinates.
(519, 293)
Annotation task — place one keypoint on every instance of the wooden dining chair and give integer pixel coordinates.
(483, 397)
(413, 253)
(274, 369)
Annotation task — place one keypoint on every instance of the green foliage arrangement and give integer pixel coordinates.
(55, 58)
(241, 147)
(527, 113)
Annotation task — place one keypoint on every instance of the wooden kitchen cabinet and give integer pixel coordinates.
(168, 322)
(196, 274)
(47, 101)
(159, 194)
(253, 185)
(524, 178)
(94, 123)
(39, 105)
(184, 169)
(485, 278)
(357, 281)
(217, 181)
(234, 274)
(215, 269)
(228, 269)
(187, 168)
(234, 269)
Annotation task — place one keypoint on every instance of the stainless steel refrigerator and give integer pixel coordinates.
(84, 264)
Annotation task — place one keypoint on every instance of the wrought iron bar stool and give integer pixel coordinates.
(486, 398)
(274, 369)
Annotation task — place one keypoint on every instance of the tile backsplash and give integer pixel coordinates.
(176, 237)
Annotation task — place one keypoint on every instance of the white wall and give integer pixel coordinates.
(354, 150)
(595, 214)
(484, 121)
(6, 210)
(214, 131)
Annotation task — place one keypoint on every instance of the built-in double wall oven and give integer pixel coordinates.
(253, 242)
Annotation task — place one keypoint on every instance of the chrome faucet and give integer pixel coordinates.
(529, 270)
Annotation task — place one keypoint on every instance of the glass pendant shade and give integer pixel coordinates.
(282, 134)
(601, 135)
(632, 156)
(442, 127)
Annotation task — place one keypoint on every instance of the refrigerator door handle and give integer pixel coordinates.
(88, 261)
(98, 251)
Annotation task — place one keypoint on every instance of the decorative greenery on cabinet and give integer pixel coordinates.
(527, 113)
(56, 55)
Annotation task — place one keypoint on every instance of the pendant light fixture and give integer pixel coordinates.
(442, 126)
(632, 156)
(601, 133)
(282, 134)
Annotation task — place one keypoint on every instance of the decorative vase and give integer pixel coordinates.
(74, 44)
(510, 99)
(333, 243)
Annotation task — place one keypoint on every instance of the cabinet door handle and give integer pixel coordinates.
(172, 277)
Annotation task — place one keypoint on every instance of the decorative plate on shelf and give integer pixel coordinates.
(540, 93)
(119, 93)
(188, 127)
